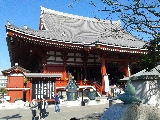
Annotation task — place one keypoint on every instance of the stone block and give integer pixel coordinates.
(131, 112)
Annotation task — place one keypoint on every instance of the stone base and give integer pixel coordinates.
(131, 112)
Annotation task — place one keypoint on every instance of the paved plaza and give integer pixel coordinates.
(67, 112)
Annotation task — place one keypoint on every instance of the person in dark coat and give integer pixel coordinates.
(56, 103)
(42, 108)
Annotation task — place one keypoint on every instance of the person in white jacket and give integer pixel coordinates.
(34, 105)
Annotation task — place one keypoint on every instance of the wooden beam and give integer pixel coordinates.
(121, 60)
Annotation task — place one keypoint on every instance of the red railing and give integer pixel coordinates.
(96, 85)
(61, 83)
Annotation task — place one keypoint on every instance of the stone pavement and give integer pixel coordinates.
(66, 112)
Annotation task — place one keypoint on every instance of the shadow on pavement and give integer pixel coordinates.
(38, 117)
(74, 119)
(11, 117)
(47, 113)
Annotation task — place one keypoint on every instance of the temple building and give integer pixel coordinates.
(88, 48)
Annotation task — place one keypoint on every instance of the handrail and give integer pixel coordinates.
(96, 86)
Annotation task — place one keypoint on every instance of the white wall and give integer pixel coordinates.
(148, 91)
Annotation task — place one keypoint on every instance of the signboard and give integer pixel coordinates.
(106, 80)
(42, 88)
(6, 97)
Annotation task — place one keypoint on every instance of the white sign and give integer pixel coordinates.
(14, 74)
(106, 80)
(7, 97)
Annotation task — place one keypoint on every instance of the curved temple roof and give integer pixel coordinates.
(58, 26)
(15, 68)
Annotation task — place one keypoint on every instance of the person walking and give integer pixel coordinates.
(46, 106)
(42, 108)
(34, 105)
(57, 103)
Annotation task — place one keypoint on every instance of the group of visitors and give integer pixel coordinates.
(43, 105)
(115, 90)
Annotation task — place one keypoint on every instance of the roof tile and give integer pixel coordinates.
(66, 27)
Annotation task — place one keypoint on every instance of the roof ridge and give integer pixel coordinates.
(46, 10)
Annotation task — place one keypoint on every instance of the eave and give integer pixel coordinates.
(43, 75)
(73, 45)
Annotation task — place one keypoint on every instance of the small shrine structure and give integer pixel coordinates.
(23, 85)
(147, 85)
(16, 88)
(71, 89)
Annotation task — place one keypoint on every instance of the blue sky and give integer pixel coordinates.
(27, 12)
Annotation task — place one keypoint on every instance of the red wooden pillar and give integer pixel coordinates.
(81, 82)
(30, 92)
(64, 67)
(64, 71)
(103, 71)
(44, 65)
(127, 69)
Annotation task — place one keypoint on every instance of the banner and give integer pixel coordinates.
(106, 80)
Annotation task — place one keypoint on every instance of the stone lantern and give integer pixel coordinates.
(72, 89)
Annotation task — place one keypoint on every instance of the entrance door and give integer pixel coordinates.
(77, 72)
(114, 73)
(94, 73)
(24, 96)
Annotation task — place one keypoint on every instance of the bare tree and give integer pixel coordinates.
(141, 16)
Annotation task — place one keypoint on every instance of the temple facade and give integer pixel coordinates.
(85, 47)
